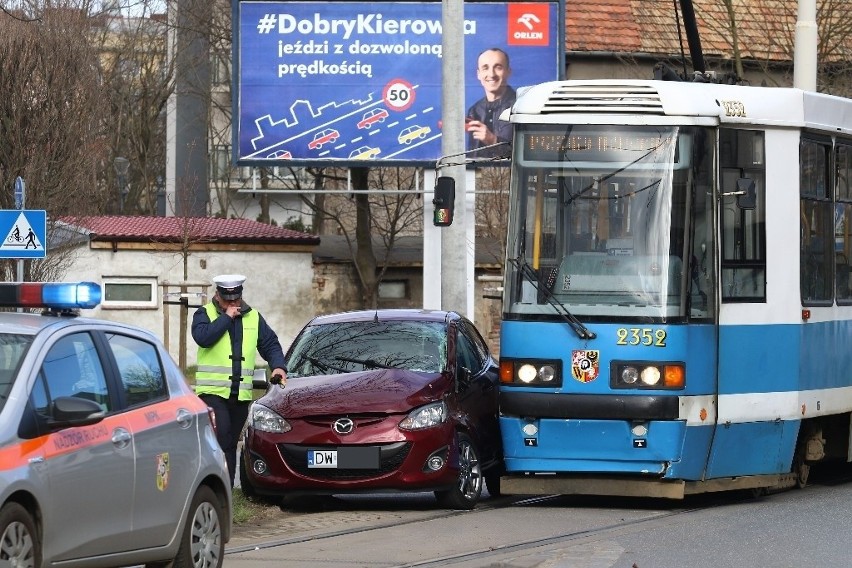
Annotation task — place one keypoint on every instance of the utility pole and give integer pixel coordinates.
(805, 52)
(454, 258)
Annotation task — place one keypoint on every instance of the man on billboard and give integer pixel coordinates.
(487, 134)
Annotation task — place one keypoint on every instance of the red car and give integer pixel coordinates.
(323, 137)
(372, 116)
(376, 401)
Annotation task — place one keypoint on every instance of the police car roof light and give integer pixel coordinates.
(56, 295)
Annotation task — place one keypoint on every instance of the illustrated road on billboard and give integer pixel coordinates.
(358, 81)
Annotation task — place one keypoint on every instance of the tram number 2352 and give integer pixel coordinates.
(641, 336)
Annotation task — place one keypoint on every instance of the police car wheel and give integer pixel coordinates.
(202, 543)
(19, 544)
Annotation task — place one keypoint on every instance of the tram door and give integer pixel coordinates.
(747, 440)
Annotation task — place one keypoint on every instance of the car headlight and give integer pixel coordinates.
(647, 375)
(263, 419)
(424, 417)
(532, 373)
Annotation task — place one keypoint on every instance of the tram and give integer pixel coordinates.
(677, 310)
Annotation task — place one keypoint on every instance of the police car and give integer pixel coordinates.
(107, 457)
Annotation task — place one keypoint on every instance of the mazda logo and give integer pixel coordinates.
(343, 426)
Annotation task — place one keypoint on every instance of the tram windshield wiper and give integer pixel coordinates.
(530, 275)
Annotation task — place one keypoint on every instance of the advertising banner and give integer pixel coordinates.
(353, 81)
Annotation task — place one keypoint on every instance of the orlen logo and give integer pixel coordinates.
(529, 24)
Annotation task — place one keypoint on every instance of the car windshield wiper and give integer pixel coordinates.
(368, 363)
(324, 367)
(529, 274)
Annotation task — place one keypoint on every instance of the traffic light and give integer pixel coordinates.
(444, 201)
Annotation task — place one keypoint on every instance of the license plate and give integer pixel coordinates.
(366, 457)
(322, 459)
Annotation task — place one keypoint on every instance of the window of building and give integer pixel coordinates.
(220, 162)
(393, 290)
(129, 292)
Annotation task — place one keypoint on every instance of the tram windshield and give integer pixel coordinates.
(610, 221)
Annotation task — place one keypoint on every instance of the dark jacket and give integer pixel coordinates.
(488, 112)
(206, 333)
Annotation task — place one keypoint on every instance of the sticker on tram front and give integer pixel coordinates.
(640, 443)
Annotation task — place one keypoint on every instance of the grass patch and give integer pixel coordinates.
(245, 509)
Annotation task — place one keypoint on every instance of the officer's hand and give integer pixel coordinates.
(279, 377)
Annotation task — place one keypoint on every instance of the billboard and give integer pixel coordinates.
(320, 82)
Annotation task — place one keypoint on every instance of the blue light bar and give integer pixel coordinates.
(56, 295)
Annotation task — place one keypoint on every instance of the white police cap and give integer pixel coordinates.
(229, 286)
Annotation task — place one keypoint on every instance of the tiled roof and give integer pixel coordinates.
(176, 229)
(765, 28)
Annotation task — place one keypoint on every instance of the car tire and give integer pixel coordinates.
(19, 542)
(202, 543)
(466, 492)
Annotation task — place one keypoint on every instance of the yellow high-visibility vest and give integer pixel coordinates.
(215, 365)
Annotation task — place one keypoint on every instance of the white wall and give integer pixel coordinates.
(279, 285)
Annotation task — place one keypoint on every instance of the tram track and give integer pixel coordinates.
(393, 531)
(475, 555)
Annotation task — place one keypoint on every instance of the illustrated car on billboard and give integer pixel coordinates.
(413, 133)
(323, 137)
(364, 153)
(372, 116)
(280, 155)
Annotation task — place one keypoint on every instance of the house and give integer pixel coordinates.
(155, 271)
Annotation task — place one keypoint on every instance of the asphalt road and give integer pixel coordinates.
(807, 527)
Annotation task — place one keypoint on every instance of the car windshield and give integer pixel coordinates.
(348, 347)
(13, 347)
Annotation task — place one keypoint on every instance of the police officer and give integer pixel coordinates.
(229, 334)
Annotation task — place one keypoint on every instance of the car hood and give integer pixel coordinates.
(385, 391)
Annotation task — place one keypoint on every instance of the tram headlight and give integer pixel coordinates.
(647, 375)
(534, 373)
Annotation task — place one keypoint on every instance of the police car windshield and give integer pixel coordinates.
(13, 347)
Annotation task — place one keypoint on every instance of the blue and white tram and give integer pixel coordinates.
(677, 310)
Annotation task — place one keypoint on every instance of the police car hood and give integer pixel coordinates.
(386, 391)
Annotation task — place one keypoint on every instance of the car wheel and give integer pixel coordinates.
(202, 544)
(467, 490)
(19, 544)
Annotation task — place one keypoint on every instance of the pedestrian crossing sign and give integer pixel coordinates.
(23, 233)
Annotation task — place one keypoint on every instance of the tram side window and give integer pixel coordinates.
(741, 155)
(843, 222)
(817, 222)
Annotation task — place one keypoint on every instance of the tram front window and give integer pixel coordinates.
(607, 221)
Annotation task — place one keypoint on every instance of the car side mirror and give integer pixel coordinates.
(462, 379)
(73, 411)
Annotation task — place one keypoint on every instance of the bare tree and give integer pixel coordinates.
(52, 126)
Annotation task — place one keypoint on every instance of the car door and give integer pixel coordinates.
(477, 389)
(90, 469)
(165, 435)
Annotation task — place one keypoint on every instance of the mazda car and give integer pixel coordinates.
(107, 456)
(377, 401)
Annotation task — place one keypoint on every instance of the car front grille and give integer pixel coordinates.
(391, 457)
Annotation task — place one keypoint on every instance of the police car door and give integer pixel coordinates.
(90, 468)
(165, 436)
